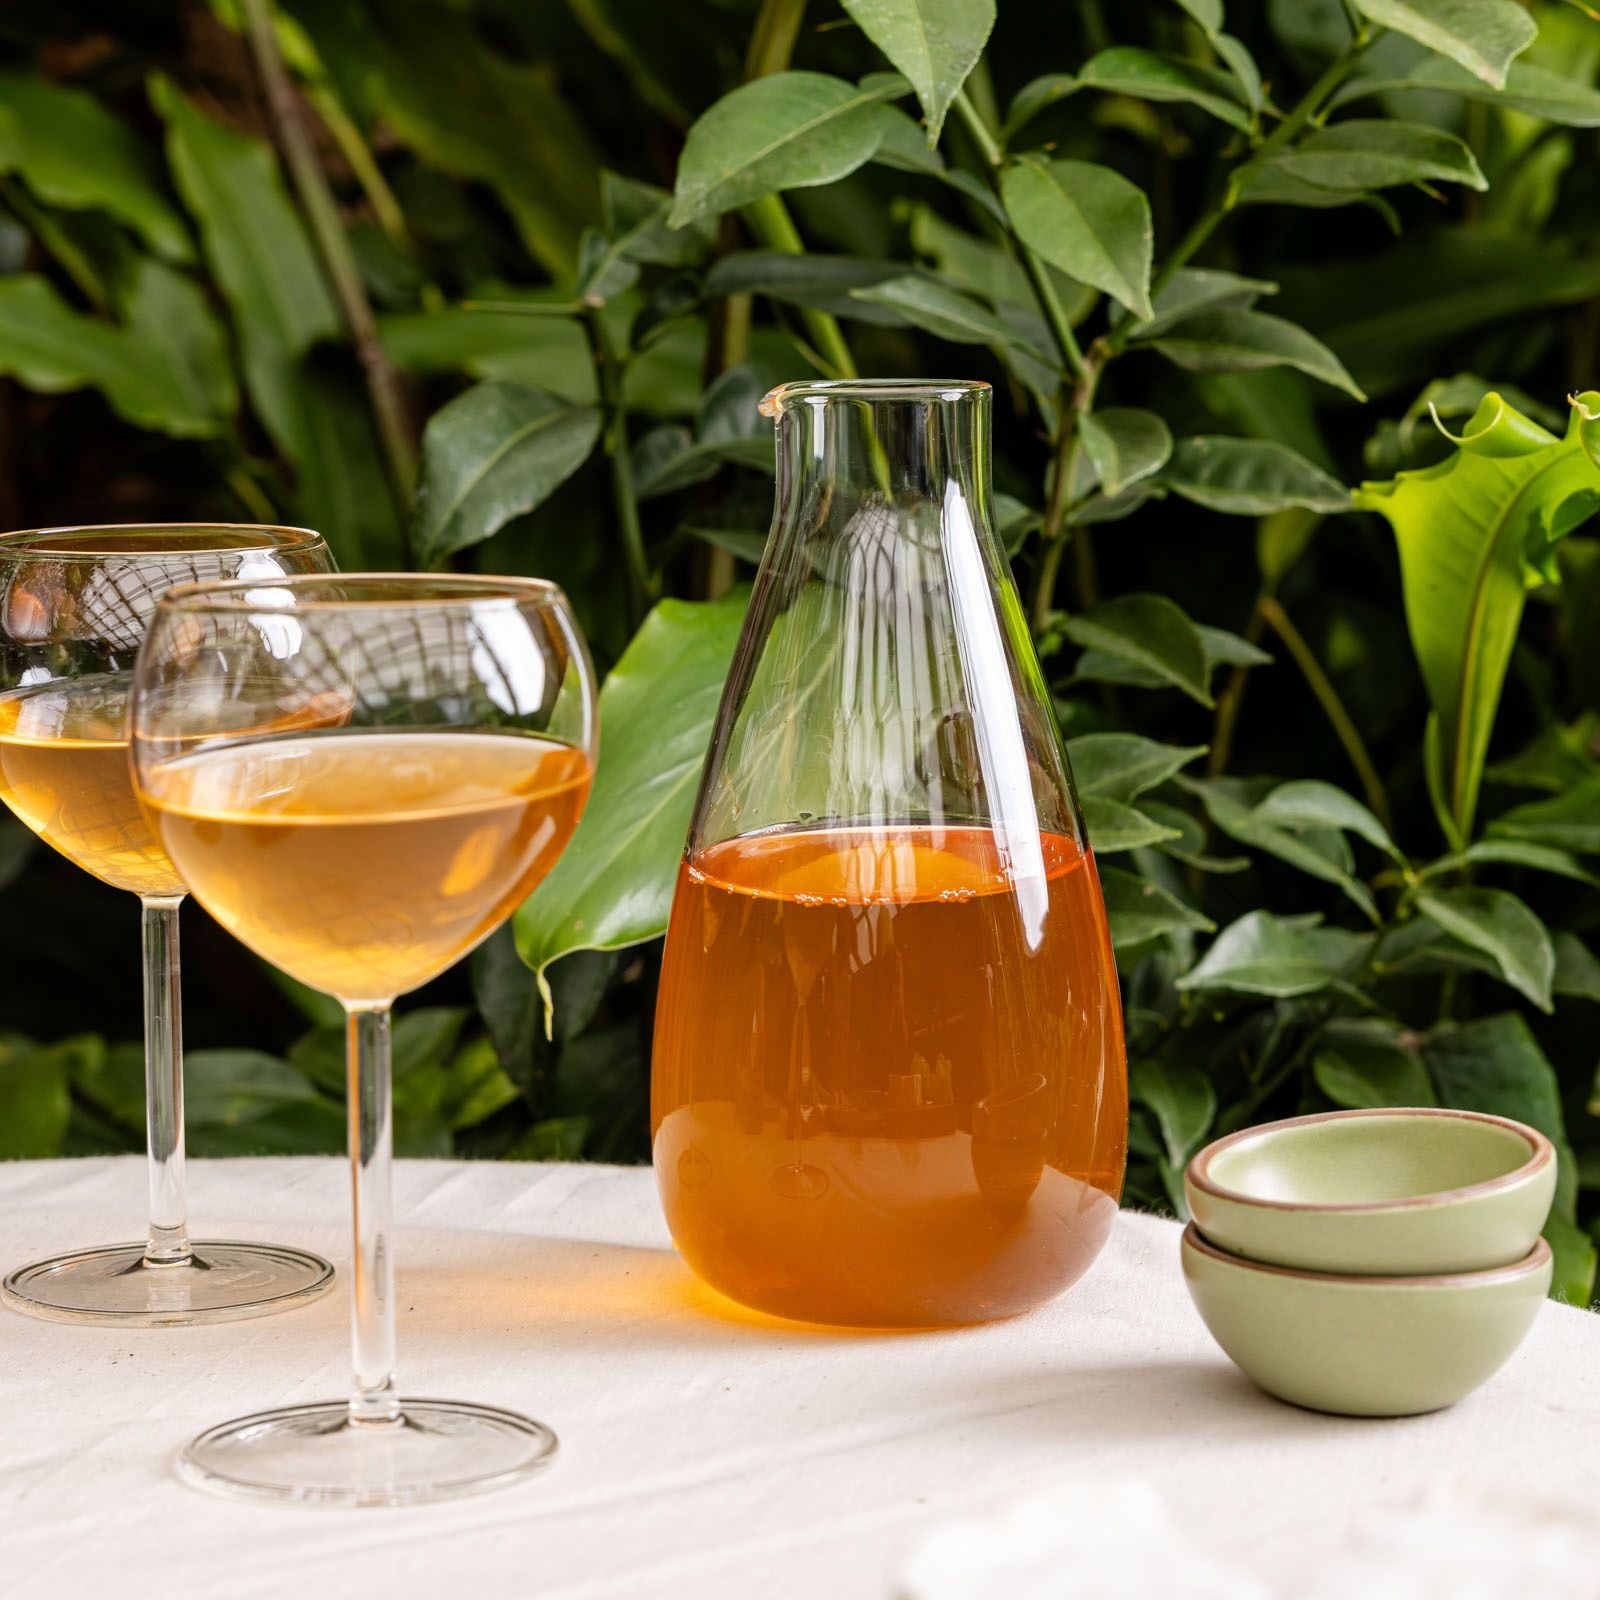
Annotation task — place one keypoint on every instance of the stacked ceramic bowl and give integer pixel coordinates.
(1373, 1263)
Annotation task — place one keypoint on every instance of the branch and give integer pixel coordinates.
(333, 248)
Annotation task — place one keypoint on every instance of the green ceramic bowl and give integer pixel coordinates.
(1404, 1192)
(1364, 1347)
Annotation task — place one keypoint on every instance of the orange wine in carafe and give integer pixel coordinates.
(888, 1082)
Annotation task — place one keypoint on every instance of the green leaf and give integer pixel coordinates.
(1249, 477)
(1483, 35)
(1191, 290)
(1520, 853)
(1115, 826)
(1569, 821)
(1190, 845)
(35, 1105)
(822, 282)
(940, 310)
(1230, 649)
(1124, 765)
(935, 43)
(1281, 539)
(1362, 155)
(73, 153)
(1577, 970)
(1124, 445)
(788, 130)
(1139, 910)
(1149, 631)
(1150, 75)
(1085, 219)
(1471, 532)
(223, 1088)
(1320, 852)
(636, 225)
(1262, 954)
(1365, 1065)
(492, 454)
(1246, 341)
(1310, 803)
(1183, 1101)
(476, 112)
(51, 348)
(1550, 96)
(1037, 95)
(1499, 924)
(613, 886)
(1575, 1259)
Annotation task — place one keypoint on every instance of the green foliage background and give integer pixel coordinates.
(496, 284)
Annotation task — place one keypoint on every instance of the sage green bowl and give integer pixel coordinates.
(1364, 1346)
(1403, 1192)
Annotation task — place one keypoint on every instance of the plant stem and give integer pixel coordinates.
(609, 380)
(1333, 707)
(1053, 535)
(55, 242)
(769, 220)
(333, 248)
(1231, 699)
(772, 40)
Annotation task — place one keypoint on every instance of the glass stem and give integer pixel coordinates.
(374, 1401)
(163, 1083)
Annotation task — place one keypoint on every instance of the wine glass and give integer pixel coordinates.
(74, 604)
(364, 859)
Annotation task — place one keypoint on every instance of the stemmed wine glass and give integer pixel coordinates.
(364, 858)
(74, 604)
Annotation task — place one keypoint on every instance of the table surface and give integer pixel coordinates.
(705, 1452)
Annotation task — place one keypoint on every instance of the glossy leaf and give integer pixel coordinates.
(1249, 477)
(1087, 220)
(1192, 290)
(1361, 155)
(1124, 445)
(52, 348)
(492, 454)
(1524, 853)
(1308, 802)
(1148, 631)
(35, 1104)
(1504, 929)
(1483, 35)
(635, 216)
(1151, 75)
(788, 130)
(1365, 1065)
(1115, 826)
(74, 153)
(1262, 954)
(1245, 341)
(1140, 910)
(1124, 765)
(1472, 531)
(940, 310)
(1568, 821)
(935, 43)
(1037, 95)
(1539, 91)
(1183, 1099)
(613, 887)
(1577, 971)
(823, 282)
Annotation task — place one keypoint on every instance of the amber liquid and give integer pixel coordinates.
(889, 1085)
(365, 863)
(64, 772)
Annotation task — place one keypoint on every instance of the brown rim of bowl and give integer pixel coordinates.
(1543, 1152)
(1193, 1239)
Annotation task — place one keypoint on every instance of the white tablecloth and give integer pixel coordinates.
(705, 1454)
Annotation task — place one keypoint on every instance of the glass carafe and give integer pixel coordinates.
(889, 1086)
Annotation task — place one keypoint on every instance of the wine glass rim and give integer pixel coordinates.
(442, 589)
(34, 543)
(950, 389)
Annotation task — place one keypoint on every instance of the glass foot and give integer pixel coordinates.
(314, 1455)
(223, 1281)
